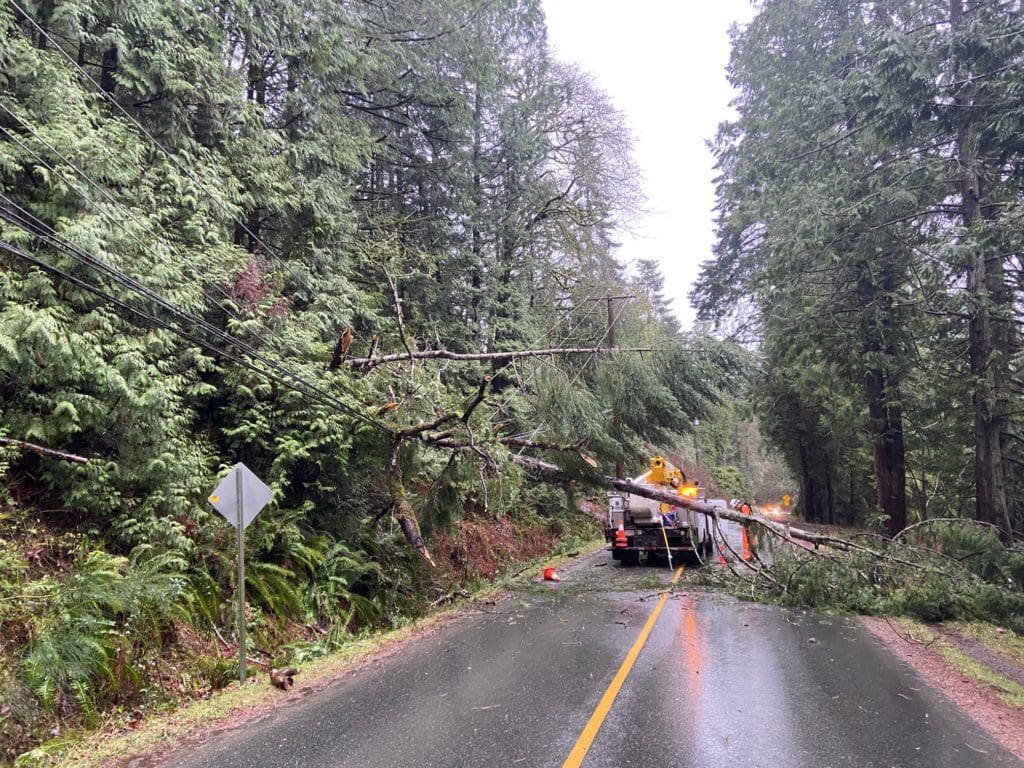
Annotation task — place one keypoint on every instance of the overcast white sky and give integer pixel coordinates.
(662, 62)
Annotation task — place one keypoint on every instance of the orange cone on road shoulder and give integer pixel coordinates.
(550, 575)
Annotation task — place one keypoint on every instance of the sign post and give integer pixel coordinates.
(240, 536)
(239, 498)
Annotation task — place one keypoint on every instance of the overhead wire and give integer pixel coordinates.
(106, 95)
(42, 230)
(220, 204)
(43, 161)
(148, 317)
(568, 334)
(540, 427)
(564, 337)
(271, 252)
(45, 233)
(35, 226)
(156, 142)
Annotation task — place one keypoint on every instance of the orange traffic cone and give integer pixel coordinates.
(550, 575)
(620, 538)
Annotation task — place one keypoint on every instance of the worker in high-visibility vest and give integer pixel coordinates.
(744, 536)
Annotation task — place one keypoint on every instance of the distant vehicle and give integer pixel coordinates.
(640, 527)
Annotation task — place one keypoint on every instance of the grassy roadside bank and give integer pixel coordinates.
(116, 743)
(988, 655)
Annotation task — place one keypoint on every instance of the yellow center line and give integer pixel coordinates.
(604, 706)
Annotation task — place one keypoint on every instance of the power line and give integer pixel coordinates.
(40, 229)
(178, 163)
(95, 263)
(106, 95)
(567, 335)
(540, 427)
(550, 329)
(69, 249)
(106, 194)
(109, 298)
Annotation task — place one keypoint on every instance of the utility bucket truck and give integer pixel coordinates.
(638, 526)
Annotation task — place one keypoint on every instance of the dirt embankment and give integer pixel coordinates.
(481, 546)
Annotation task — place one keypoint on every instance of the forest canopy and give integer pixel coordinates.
(869, 242)
(316, 237)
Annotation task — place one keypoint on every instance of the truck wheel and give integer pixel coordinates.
(629, 559)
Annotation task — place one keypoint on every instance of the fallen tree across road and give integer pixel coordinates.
(555, 472)
(933, 571)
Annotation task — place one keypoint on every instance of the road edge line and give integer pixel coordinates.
(590, 730)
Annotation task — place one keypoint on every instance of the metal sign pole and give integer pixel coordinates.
(240, 530)
(239, 495)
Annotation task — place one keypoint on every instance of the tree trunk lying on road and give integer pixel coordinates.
(883, 568)
(557, 473)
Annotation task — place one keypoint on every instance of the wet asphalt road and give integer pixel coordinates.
(717, 683)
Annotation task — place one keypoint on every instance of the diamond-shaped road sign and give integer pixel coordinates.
(255, 496)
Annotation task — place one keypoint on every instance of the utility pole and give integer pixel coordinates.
(620, 472)
(611, 324)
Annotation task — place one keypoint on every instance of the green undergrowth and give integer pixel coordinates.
(114, 742)
(102, 649)
(955, 571)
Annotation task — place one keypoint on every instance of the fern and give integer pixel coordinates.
(274, 587)
(92, 616)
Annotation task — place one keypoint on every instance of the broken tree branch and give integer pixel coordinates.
(369, 363)
(479, 398)
(446, 440)
(777, 529)
(401, 321)
(418, 429)
(44, 451)
(520, 442)
(341, 349)
(556, 472)
(403, 510)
